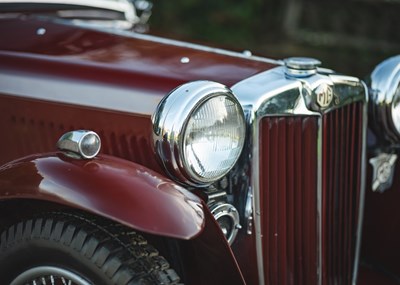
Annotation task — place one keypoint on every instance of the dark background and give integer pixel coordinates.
(350, 37)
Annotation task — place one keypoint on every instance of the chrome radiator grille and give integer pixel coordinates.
(295, 242)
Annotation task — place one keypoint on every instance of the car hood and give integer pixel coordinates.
(163, 63)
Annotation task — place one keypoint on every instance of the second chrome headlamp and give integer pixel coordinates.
(385, 98)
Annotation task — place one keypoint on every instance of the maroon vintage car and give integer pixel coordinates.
(127, 158)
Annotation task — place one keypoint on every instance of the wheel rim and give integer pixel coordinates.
(49, 275)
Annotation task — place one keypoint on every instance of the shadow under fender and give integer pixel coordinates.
(114, 188)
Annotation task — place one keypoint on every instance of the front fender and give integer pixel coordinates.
(114, 188)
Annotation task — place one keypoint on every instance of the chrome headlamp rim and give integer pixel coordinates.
(384, 93)
(170, 122)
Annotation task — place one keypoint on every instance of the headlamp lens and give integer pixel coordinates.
(214, 138)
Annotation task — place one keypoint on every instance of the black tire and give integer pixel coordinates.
(72, 246)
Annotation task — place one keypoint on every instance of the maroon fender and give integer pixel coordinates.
(110, 187)
(209, 258)
(132, 195)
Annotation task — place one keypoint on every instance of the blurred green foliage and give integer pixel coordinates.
(223, 22)
(349, 36)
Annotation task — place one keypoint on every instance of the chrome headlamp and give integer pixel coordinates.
(385, 98)
(199, 131)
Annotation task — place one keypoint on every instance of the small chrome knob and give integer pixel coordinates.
(301, 66)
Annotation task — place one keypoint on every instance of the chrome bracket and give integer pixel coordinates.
(383, 168)
(249, 213)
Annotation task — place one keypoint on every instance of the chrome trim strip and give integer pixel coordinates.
(319, 199)
(255, 181)
(177, 43)
(243, 55)
(362, 186)
(79, 93)
(273, 93)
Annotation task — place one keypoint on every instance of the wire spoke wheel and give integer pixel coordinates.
(48, 275)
